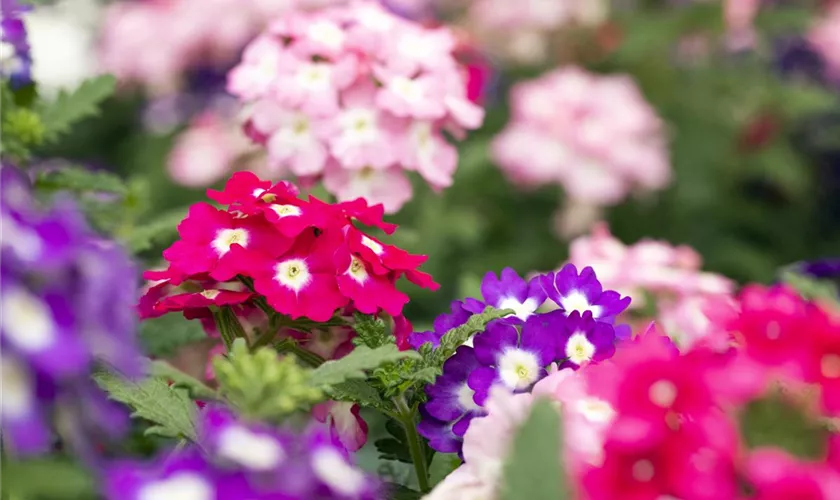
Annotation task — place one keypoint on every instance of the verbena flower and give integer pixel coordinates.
(594, 135)
(16, 62)
(55, 323)
(240, 459)
(356, 96)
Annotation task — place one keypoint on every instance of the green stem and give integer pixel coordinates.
(229, 326)
(310, 358)
(260, 300)
(415, 444)
(264, 339)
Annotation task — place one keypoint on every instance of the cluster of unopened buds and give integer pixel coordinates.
(356, 96)
(653, 421)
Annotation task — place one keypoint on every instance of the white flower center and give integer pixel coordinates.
(773, 330)
(225, 238)
(180, 486)
(465, 398)
(576, 301)
(414, 46)
(293, 274)
(830, 366)
(643, 471)
(314, 76)
(520, 310)
(406, 88)
(27, 321)
(332, 469)
(357, 270)
(286, 210)
(327, 33)
(662, 393)
(23, 241)
(15, 389)
(374, 246)
(257, 192)
(359, 126)
(579, 349)
(596, 410)
(210, 294)
(250, 450)
(518, 369)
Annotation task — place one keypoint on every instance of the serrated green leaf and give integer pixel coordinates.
(80, 179)
(68, 108)
(355, 364)
(141, 238)
(26, 480)
(371, 331)
(154, 400)
(532, 468)
(196, 388)
(161, 337)
(442, 465)
(455, 338)
(357, 391)
(425, 375)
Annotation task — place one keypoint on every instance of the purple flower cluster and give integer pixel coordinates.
(237, 460)
(514, 351)
(15, 62)
(67, 300)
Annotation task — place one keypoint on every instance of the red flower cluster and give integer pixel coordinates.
(678, 416)
(304, 256)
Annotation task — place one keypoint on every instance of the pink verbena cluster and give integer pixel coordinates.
(304, 259)
(661, 279)
(153, 43)
(594, 135)
(825, 37)
(356, 96)
(703, 423)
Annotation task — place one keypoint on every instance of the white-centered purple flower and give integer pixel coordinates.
(580, 339)
(513, 355)
(451, 405)
(509, 291)
(582, 292)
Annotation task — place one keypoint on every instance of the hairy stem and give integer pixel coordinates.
(415, 444)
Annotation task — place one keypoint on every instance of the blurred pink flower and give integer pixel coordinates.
(594, 135)
(206, 151)
(825, 37)
(356, 96)
(346, 425)
(687, 299)
(739, 16)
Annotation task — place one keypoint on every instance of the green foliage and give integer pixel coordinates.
(81, 180)
(354, 365)
(357, 391)
(144, 236)
(442, 465)
(810, 288)
(400, 492)
(22, 127)
(169, 408)
(455, 338)
(371, 331)
(532, 469)
(68, 108)
(775, 420)
(163, 336)
(264, 386)
(45, 479)
(181, 380)
(396, 446)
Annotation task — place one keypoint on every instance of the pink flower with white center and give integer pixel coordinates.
(259, 69)
(367, 290)
(346, 425)
(686, 298)
(208, 235)
(825, 37)
(302, 282)
(360, 97)
(594, 135)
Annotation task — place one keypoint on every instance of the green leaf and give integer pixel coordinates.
(425, 375)
(141, 238)
(154, 400)
(68, 108)
(357, 391)
(371, 331)
(532, 469)
(355, 364)
(809, 288)
(80, 180)
(163, 336)
(196, 388)
(442, 465)
(400, 492)
(51, 478)
(455, 338)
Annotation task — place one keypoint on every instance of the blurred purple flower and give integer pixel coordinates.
(16, 61)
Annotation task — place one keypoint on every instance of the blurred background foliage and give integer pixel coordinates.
(755, 148)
